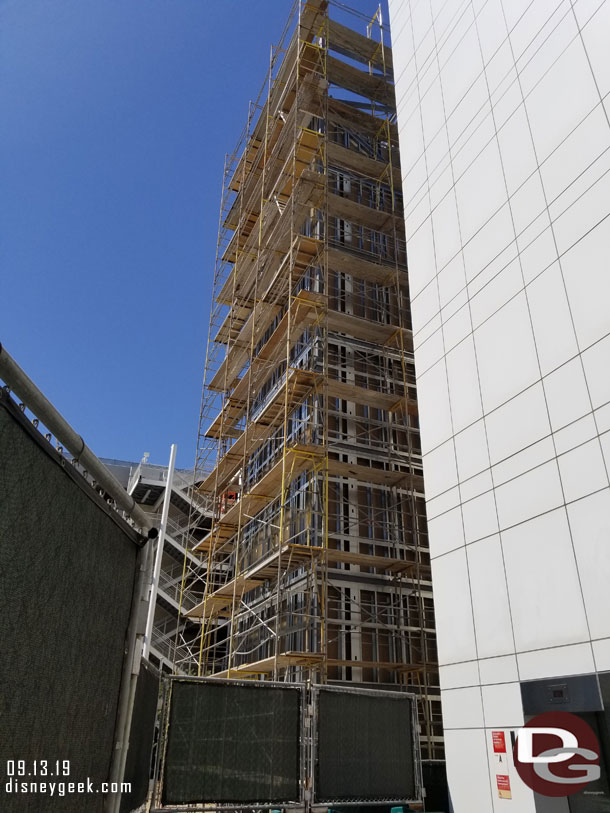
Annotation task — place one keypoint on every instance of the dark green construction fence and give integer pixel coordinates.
(67, 574)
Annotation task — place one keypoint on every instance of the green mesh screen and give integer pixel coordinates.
(66, 588)
(137, 766)
(365, 747)
(232, 743)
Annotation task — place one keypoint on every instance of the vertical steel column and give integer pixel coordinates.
(154, 587)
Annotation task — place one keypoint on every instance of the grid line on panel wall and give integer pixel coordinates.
(565, 290)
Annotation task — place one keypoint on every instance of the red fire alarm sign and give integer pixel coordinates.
(499, 742)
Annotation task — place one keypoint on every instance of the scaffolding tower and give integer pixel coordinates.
(316, 566)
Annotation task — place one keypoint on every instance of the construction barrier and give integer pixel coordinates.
(68, 566)
(229, 743)
(365, 746)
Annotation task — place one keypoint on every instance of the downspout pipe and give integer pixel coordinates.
(16, 379)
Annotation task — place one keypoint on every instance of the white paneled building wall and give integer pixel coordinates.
(503, 114)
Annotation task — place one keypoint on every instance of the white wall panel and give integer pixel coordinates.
(463, 708)
(590, 525)
(512, 347)
(517, 424)
(545, 596)
(492, 622)
(506, 353)
(562, 660)
(467, 770)
(456, 641)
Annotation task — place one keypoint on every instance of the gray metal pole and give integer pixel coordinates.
(154, 588)
(129, 679)
(12, 374)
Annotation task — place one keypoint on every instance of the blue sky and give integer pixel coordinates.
(116, 118)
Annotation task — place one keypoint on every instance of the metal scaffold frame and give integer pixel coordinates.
(316, 565)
